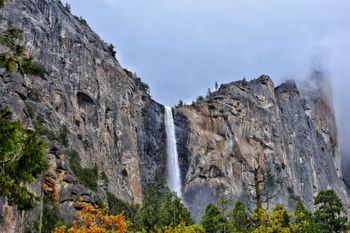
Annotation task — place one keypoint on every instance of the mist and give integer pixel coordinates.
(180, 48)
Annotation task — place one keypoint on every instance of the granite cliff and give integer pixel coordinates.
(222, 136)
(100, 118)
(88, 106)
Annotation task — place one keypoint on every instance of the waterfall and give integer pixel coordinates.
(173, 179)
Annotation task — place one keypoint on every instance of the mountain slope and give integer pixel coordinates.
(107, 135)
(294, 132)
(92, 110)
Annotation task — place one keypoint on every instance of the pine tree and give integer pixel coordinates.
(279, 219)
(22, 160)
(330, 213)
(161, 208)
(172, 211)
(302, 220)
(213, 220)
(239, 219)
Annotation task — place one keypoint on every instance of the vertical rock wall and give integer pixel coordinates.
(88, 105)
(294, 133)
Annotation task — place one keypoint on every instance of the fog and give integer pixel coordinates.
(180, 48)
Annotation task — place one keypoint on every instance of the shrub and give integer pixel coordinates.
(51, 218)
(116, 206)
(93, 219)
(63, 137)
(22, 158)
(86, 176)
(33, 94)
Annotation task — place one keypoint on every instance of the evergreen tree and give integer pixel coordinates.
(279, 219)
(161, 208)
(213, 220)
(21, 152)
(148, 215)
(239, 219)
(173, 212)
(330, 213)
(260, 221)
(22, 160)
(208, 92)
(182, 228)
(302, 220)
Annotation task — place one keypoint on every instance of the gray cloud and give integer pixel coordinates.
(180, 48)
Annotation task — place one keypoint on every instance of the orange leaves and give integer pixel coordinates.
(95, 220)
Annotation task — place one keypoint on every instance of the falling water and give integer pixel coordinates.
(174, 181)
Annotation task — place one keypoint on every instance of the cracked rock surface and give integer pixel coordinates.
(89, 107)
(293, 130)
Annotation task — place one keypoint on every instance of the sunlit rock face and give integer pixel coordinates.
(104, 111)
(293, 131)
(91, 105)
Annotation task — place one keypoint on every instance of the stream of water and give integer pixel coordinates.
(173, 179)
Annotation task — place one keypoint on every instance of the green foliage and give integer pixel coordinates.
(260, 220)
(104, 178)
(22, 159)
(161, 208)
(33, 228)
(2, 3)
(63, 137)
(172, 211)
(200, 98)
(213, 220)
(86, 176)
(330, 213)
(67, 6)
(10, 37)
(51, 218)
(15, 59)
(116, 206)
(239, 220)
(33, 95)
(279, 219)
(28, 66)
(51, 215)
(112, 50)
(302, 220)
(183, 228)
(42, 130)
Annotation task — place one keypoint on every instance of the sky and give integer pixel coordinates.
(181, 47)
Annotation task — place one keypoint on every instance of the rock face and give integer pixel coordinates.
(293, 132)
(88, 105)
(100, 115)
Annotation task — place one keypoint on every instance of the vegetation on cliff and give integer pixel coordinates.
(22, 151)
(170, 216)
(22, 160)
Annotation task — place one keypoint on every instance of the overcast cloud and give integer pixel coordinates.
(181, 47)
